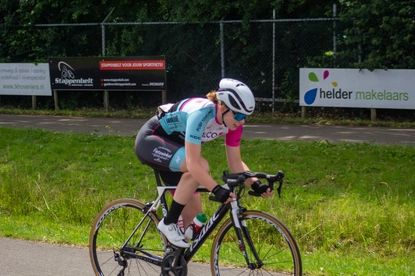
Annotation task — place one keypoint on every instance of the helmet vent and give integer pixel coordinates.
(234, 104)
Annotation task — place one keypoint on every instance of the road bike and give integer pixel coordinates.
(124, 238)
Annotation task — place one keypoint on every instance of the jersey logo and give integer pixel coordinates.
(210, 135)
(200, 124)
(161, 153)
(172, 119)
(195, 137)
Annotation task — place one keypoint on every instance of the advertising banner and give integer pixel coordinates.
(392, 89)
(26, 79)
(108, 73)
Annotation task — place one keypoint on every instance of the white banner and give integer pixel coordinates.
(25, 79)
(357, 88)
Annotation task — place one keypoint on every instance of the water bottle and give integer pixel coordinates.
(193, 228)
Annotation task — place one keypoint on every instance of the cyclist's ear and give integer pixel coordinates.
(222, 108)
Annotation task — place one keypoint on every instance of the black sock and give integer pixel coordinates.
(174, 213)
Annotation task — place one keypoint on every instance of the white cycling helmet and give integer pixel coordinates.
(236, 96)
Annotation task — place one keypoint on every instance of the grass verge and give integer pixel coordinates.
(350, 206)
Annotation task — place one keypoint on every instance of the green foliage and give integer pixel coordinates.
(23, 42)
(287, 89)
(370, 34)
(381, 33)
(211, 10)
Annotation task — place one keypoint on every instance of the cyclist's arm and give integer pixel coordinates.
(236, 164)
(196, 124)
(193, 154)
(233, 153)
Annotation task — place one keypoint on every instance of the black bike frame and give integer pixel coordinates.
(206, 230)
(202, 235)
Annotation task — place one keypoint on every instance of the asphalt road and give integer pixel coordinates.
(24, 258)
(283, 132)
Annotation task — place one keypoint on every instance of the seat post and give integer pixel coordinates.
(157, 175)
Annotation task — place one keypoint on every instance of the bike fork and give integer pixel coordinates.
(243, 235)
(248, 239)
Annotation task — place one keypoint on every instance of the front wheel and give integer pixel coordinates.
(124, 240)
(270, 248)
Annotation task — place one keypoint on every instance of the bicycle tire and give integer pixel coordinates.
(110, 231)
(272, 240)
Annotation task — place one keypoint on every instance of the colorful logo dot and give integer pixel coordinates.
(310, 95)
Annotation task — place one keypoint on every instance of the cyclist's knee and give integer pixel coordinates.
(189, 179)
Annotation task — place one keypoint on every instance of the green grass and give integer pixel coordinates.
(350, 206)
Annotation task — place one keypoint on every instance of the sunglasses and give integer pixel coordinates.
(239, 116)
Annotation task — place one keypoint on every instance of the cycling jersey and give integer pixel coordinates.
(195, 119)
(160, 142)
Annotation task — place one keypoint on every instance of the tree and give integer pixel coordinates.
(380, 33)
(211, 10)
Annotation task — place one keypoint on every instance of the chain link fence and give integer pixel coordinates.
(265, 54)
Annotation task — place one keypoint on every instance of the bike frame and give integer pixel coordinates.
(233, 207)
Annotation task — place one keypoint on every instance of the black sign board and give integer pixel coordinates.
(108, 73)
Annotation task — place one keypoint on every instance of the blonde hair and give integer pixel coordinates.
(212, 96)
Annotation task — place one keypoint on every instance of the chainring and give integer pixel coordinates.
(173, 266)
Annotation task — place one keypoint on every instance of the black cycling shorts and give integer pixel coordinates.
(156, 149)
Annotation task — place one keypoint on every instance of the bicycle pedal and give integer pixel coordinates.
(168, 250)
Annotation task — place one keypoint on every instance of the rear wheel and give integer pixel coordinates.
(276, 250)
(111, 250)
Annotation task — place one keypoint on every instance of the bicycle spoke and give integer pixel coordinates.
(115, 225)
(277, 251)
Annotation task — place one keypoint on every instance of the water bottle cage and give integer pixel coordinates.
(193, 227)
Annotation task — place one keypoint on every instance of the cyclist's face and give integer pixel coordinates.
(233, 119)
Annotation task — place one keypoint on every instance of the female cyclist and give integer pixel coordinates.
(171, 142)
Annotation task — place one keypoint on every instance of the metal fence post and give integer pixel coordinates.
(222, 50)
(55, 99)
(34, 103)
(106, 94)
(103, 31)
(334, 35)
(273, 62)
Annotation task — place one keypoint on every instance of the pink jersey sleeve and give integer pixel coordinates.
(233, 137)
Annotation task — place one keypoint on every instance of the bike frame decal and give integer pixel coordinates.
(206, 231)
(203, 231)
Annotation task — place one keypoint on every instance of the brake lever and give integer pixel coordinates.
(230, 183)
(278, 178)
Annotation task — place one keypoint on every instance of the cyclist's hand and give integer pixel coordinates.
(262, 189)
(223, 195)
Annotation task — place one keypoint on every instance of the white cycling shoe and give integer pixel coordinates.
(173, 234)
